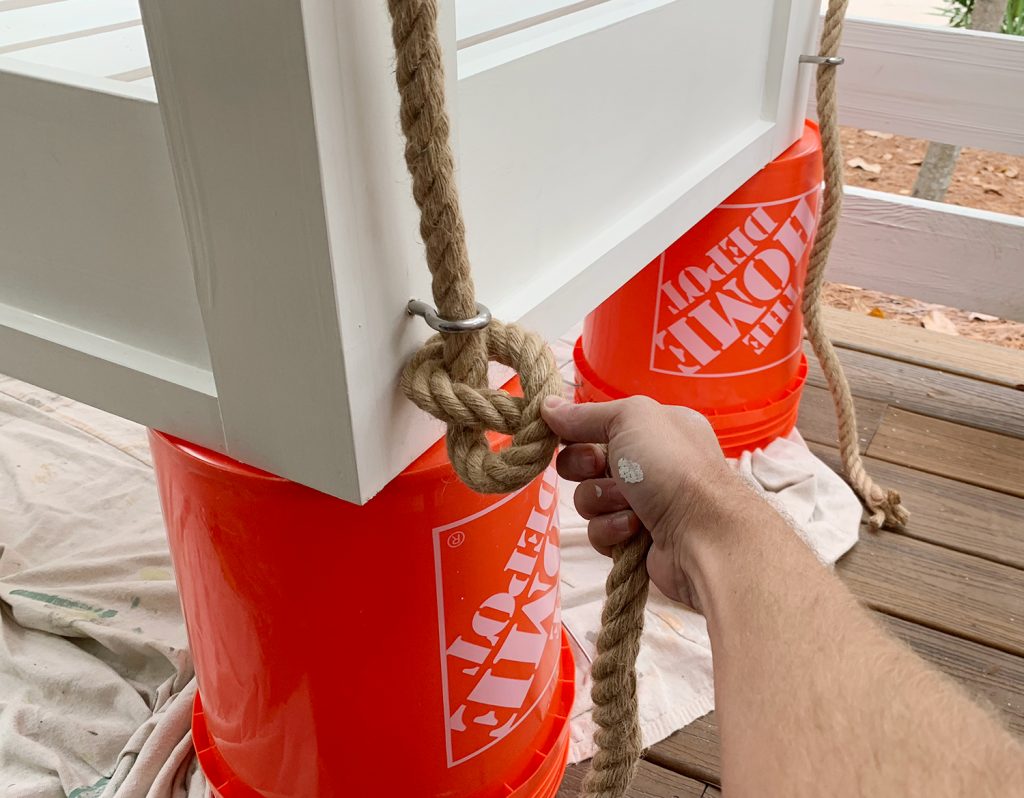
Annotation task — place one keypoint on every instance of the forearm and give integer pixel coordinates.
(815, 699)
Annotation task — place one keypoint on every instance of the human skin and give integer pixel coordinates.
(813, 696)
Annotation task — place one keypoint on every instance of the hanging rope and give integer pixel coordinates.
(448, 376)
(883, 506)
(616, 710)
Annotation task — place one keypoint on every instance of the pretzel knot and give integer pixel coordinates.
(471, 412)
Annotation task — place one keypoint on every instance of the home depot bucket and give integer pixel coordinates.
(714, 322)
(408, 647)
(739, 429)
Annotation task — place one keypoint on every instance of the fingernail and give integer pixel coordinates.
(553, 402)
(598, 492)
(621, 521)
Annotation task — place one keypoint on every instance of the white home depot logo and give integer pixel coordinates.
(711, 316)
(498, 618)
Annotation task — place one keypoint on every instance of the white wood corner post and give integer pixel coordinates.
(281, 120)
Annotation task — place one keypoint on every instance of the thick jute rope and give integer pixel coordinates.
(616, 710)
(884, 506)
(448, 379)
(448, 376)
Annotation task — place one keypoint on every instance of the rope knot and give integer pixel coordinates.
(885, 509)
(471, 409)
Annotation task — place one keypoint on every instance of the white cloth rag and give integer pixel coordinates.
(675, 685)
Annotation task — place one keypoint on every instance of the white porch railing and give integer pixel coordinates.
(953, 86)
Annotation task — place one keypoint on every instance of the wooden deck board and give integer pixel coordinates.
(895, 341)
(651, 781)
(694, 751)
(957, 593)
(993, 676)
(973, 456)
(961, 517)
(978, 404)
(818, 418)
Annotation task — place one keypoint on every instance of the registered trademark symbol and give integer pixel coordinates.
(456, 539)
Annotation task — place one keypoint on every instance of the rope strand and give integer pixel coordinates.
(448, 376)
(884, 506)
(616, 709)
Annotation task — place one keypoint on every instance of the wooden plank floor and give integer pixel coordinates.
(952, 584)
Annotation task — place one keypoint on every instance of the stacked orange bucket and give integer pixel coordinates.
(408, 647)
(714, 323)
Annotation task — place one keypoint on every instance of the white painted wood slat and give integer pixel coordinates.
(100, 54)
(92, 235)
(156, 391)
(21, 27)
(954, 86)
(99, 301)
(478, 21)
(961, 257)
(562, 208)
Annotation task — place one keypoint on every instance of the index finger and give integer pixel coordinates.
(584, 423)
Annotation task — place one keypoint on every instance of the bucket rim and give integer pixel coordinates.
(542, 780)
(586, 372)
(211, 458)
(804, 147)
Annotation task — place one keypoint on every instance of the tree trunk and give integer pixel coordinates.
(988, 15)
(940, 161)
(936, 171)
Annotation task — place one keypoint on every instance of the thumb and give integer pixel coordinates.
(584, 423)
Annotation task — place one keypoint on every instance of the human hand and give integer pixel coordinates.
(663, 469)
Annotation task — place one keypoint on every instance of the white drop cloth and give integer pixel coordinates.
(675, 683)
(95, 671)
(96, 680)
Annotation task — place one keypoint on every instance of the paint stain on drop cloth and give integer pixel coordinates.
(77, 608)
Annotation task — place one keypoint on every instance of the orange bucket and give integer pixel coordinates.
(740, 429)
(714, 322)
(411, 646)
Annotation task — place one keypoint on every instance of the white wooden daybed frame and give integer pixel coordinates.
(231, 264)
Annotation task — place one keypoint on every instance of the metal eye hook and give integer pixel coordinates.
(823, 60)
(449, 326)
